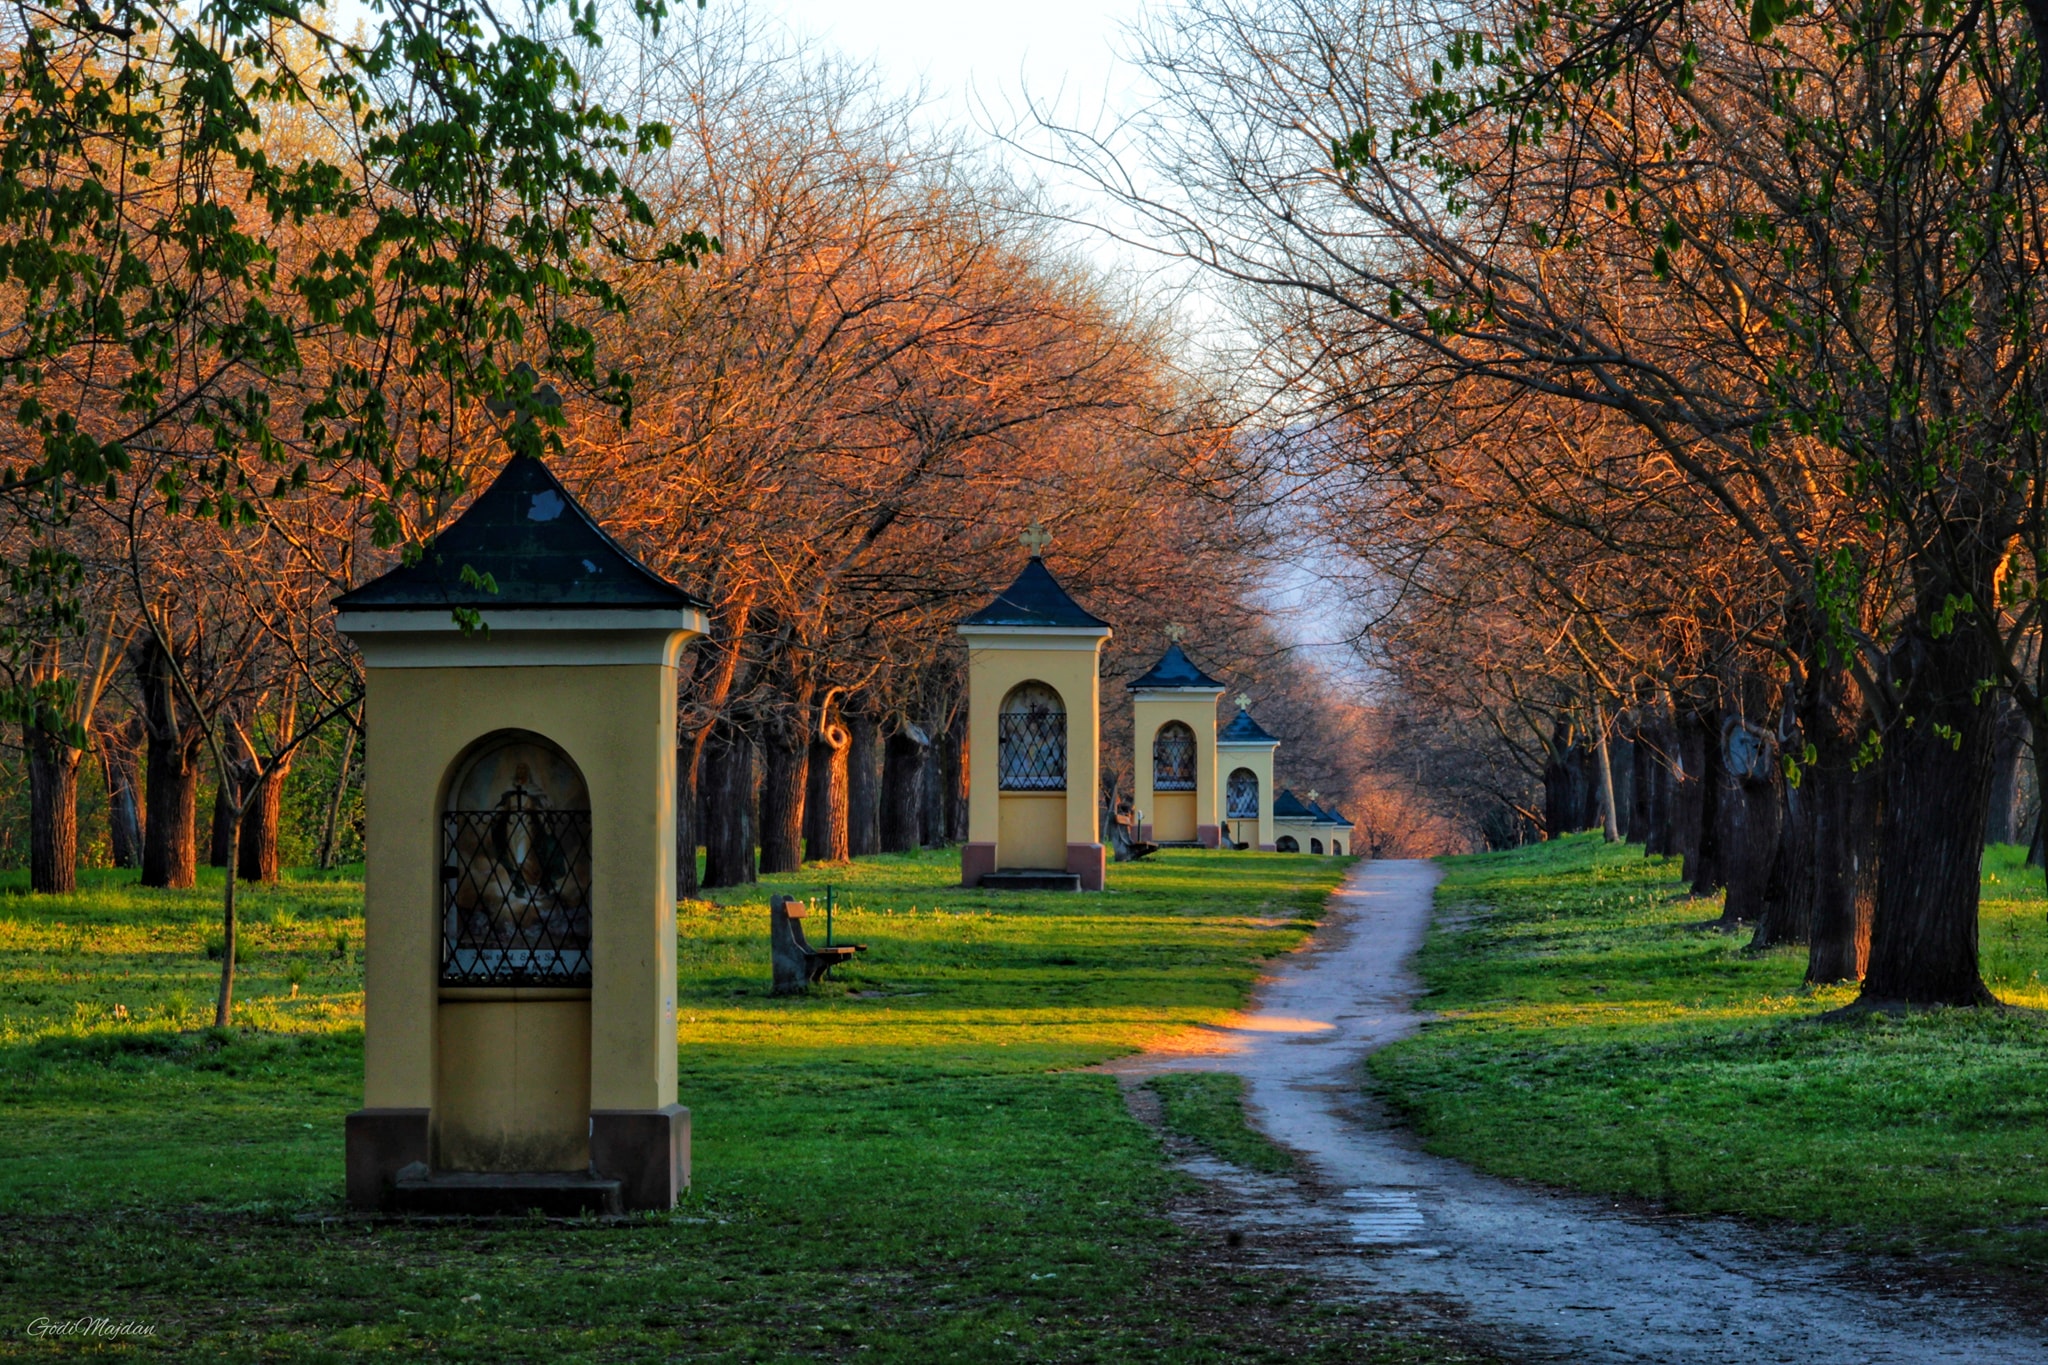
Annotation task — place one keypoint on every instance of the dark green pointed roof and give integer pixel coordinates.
(1244, 730)
(1036, 599)
(1288, 805)
(537, 544)
(1338, 816)
(1174, 669)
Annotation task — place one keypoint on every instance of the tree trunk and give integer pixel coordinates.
(170, 843)
(1698, 797)
(327, 834)
(1787, 915)
(1560, 800)
(1655, 754)
(931, 783)
(1610, 815)
(171, 788)
(124, 795)
(219, 843)
(53, 811)
(863, 785)
(728, 782)
(1937, 784)
(2001, 821)
(825, 824)
(1845, 817)
(689, 812)
(953, 774)
(903, 790)
(1751, 827)
(788, 753)
(256, 846)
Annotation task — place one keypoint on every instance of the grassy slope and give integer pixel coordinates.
(905, 1167)
(1595, 1034)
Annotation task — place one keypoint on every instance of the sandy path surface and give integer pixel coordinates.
(1542, 1276)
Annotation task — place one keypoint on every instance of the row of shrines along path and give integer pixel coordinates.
(1537, 1275)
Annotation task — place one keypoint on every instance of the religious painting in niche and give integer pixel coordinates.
(1031, 740)
(515, 872)
(1173, 758)
(1286, 844)
(1241, 796)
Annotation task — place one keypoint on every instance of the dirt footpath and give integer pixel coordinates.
(1542, 1276)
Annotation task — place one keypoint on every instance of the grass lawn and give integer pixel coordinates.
(906, 1167)
(1596, 1034)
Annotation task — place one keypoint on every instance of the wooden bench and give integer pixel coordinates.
(797, 963)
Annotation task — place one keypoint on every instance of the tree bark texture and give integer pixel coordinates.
(1699, 738)
(53, 811)
(688, 823)
(1751, 824)
(825, 815)
(1656, 754)
(1937, 784)
(333, 823)
(931, 783)
(256, 857)
(903, 762)
(728, 798)
(953, 773)
(2002, 817)
(117, 749)
(1641, 787)
(1610, 812)
(783, 779)
(1787, 915)
(221, 837)
(863, 784)
(171, 780)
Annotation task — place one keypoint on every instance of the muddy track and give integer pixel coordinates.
(1539, 1275)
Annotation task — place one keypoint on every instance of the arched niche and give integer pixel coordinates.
(1031, 739)
(1241, 795)
(1337, 847)
(1173, 758)
(1286, 844)
(515, 873)
(1315, 845)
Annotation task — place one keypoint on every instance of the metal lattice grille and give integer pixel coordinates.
(515, 898)
(1031, 752)
(1173, 759)
(1241, 796)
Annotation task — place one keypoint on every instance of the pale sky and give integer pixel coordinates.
(990, 52)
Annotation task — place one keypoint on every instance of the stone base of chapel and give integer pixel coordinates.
(976, 862)
(1209, 836)
(1090, 863)
(639, 1159)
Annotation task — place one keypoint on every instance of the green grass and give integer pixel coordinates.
(908, 1166)
(1207, 1108)
(1596, 1033)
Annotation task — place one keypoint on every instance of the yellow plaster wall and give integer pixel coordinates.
(1067, 664)
(617, 722)
(1172, 817)
(515, 1085)
(1150, 711)
(1031, 830)
(1259, 758)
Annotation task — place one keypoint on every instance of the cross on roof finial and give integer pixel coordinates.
(1175, 631)
(1314, 795)
(522, 407)
(1244, 701)
(1035, 540)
